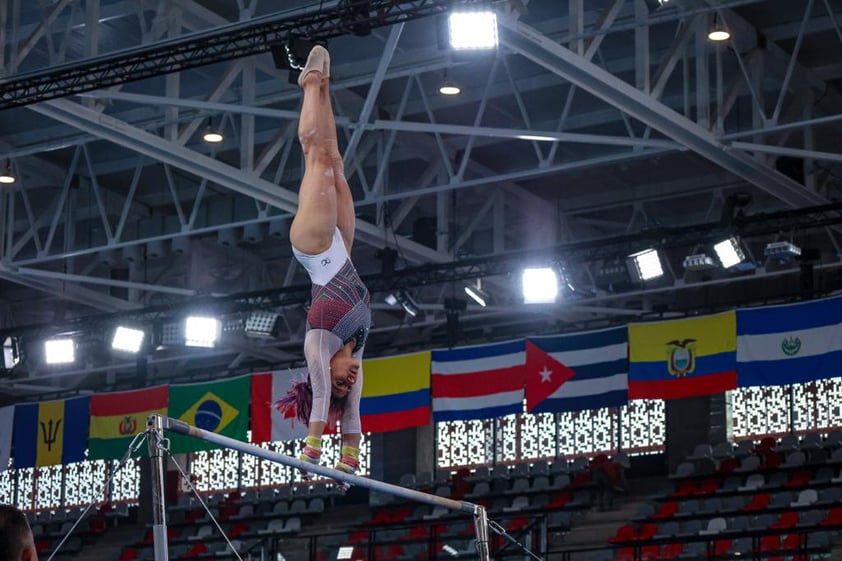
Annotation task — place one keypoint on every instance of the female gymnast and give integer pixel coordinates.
(339, 318)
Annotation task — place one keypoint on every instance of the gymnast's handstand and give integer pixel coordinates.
(339, 318)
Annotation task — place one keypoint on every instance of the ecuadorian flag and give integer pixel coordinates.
(396, 392)
(683, 358)
(51, 432)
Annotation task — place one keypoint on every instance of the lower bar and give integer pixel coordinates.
(181, 427)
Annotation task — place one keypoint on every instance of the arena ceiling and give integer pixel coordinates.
(596, 129)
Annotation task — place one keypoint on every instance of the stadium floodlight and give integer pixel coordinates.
(477, 294)
(11, 352)
(127, 339)
(262, 324)
(201, 331)
(345, 552)
(472, 30)
(782, 251)
(449, 549)
(408, 304)
(647, 264)
(729, 252)
(539, 285)
(59, 351)
(699, 262)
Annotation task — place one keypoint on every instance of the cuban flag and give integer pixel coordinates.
(789, 344)
(577, 372)
(478, 382)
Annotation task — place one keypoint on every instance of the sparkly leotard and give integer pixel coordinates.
(340, 312)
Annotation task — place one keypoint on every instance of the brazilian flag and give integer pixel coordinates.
(221, 407)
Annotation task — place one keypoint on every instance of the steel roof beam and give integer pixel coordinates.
(547, 53)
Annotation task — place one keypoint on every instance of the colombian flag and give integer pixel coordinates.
(220, 407)
(116, 417)
(51, 432)
(396, 393)
(683, 358)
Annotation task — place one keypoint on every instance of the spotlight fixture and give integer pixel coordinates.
(391, 299)
(729, 252)
(450, 550)
(7, 177)
(201, 331)
(408, 304)
(127, 339)
(781, 251)
(647, 264)
(539, 285)
(213, 135)
(699, 262)
(472, 30)
(262, 324)
(345, 552)
(654, 5)
(477, 293)
(59, 351)
(717, 32)
(11, 352)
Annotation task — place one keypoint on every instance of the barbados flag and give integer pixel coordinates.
(51, 432)
(396, 392)
(683, 358)
(789, 344)
(221, 407)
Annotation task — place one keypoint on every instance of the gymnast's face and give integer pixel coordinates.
(343, 372)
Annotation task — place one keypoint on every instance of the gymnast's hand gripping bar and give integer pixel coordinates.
(160, 422)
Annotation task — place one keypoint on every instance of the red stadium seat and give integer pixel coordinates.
(671, 551)
(770, 543)
(792, 542)
(758, 502)
(685, 489)
(625, 533)
(129, 554)
(650, 552)
(647, 532)
(728, 465)
(238, 530)
(559, 500)
(721, 547)
(786, 521)
(800, 478)
(765, 444)
(666, 510)
(834, 517)
(708, 487)
(197, 550)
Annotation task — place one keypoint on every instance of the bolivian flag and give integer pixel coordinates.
(117, 417)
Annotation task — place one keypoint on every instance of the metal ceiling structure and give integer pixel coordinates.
(597, 128)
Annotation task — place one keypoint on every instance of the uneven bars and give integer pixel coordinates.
(479, 512)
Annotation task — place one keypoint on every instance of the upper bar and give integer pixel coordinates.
(183, 428)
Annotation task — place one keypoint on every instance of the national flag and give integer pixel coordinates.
(48, 433)
(267, 423)
(576, 372)
(478, 382)
(220, 407)
(684, 357)
(396, 392)
(117, 417)
(789, 344)
(7, 416)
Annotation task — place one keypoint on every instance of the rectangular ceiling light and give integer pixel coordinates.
(262, 324)
(540, 285)
(201, 331)
(729, 252)
(127, 339)
(647, 263)
(59, 351)
(472, 30)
